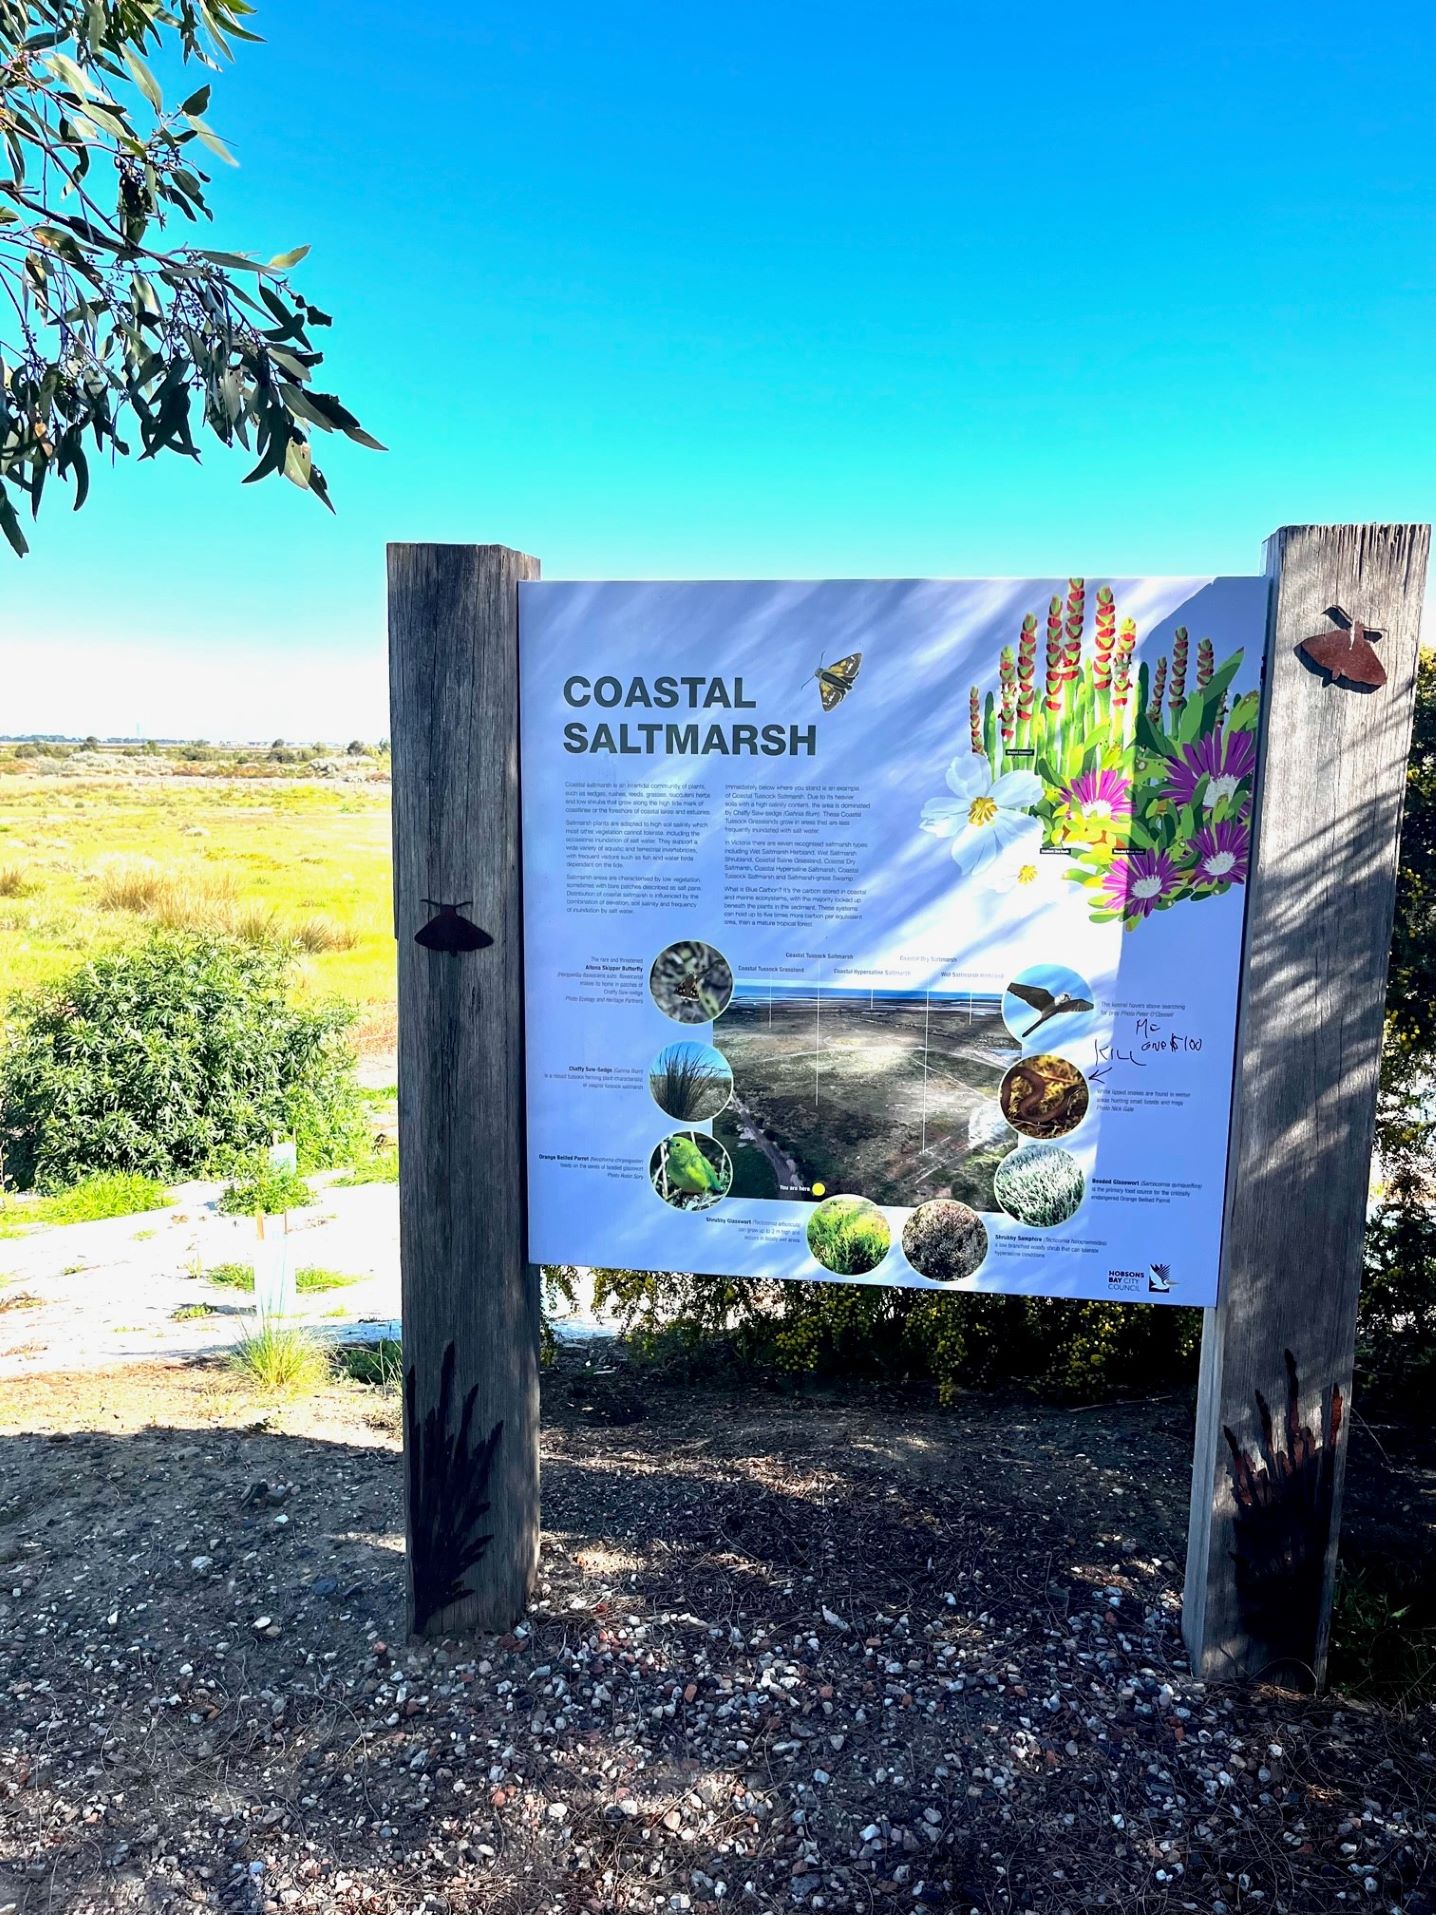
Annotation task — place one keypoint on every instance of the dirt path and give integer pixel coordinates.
(831, 1652)
(89, 1295)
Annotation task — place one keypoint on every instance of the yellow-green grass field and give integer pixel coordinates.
(88, 864)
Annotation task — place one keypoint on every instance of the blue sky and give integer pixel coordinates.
(773, 289)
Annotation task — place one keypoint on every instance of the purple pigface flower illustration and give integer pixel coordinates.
(1224, 759)
(1097, 806)
(1136, 883)
(1223, 852)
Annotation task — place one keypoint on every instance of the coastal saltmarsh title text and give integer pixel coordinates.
(648, 737)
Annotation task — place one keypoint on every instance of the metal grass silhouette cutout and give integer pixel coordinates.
(448, 1491)
(1282, 1525)
(447, 931)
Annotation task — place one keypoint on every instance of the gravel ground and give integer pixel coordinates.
(836, 1652)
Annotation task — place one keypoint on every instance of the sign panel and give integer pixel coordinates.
(887, 931)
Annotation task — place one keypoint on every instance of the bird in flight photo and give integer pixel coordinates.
(1046, 1005)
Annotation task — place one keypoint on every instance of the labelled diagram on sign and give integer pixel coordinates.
(893, 1094)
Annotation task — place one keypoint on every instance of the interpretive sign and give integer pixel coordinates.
(887, 931)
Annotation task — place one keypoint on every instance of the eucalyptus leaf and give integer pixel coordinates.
(122, 340)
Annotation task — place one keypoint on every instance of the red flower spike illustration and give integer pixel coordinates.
(1159, 686)
(1106, 637)
(974, 719)
(1027, 669)
(1007, 675)
(1177, 691)
(1122, 661)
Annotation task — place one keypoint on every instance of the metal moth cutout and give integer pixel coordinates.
(447, 931)
(1345, 656)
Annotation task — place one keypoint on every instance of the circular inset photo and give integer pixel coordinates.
(690, 1081)
(1048, 1004)
(1040, 1185)
(690, 1170)
(1044, 1096)
(849, 1235)
(944, 1240)
(691, 982)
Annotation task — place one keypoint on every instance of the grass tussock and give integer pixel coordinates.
(16, 881)
(200, 898)
(175, 897)
(280, 1361)
(319, 932)
(691, 1082)
(106, 1194)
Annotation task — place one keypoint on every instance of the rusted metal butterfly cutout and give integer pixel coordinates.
(1345, 656)
(447, 931)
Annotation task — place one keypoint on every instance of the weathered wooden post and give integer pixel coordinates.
(1278, 1350)
(470, 1301)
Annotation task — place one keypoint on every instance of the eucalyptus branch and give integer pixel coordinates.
(115, 332)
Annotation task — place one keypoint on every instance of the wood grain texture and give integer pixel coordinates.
(1261, 1552)
(453, 661)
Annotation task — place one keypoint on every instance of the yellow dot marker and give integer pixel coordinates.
(818, 1189)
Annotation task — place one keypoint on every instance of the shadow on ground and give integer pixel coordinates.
(826, 1651)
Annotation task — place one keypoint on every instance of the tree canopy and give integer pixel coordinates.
(112, 335)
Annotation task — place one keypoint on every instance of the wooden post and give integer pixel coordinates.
(470, 1300)
(1277, 1352)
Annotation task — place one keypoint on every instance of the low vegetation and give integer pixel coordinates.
(280, 1361)
(251, 857)
(90, 1200)
(379, 1365)
(176, 1058)
(379, 1167)
(265, 1191)
(310, 1279)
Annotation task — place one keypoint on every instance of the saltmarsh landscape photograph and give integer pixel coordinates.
(893, 1096)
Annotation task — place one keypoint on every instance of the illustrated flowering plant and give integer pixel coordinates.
(1143, 777)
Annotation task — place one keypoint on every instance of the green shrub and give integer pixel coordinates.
(379, 1167)
(955, 1341)
(174, 1058)
(265, 1190)
(380, 1365)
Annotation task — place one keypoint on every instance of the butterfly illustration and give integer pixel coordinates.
(687, 987)
(836, 681)
(1345, 656)
(449, 932)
